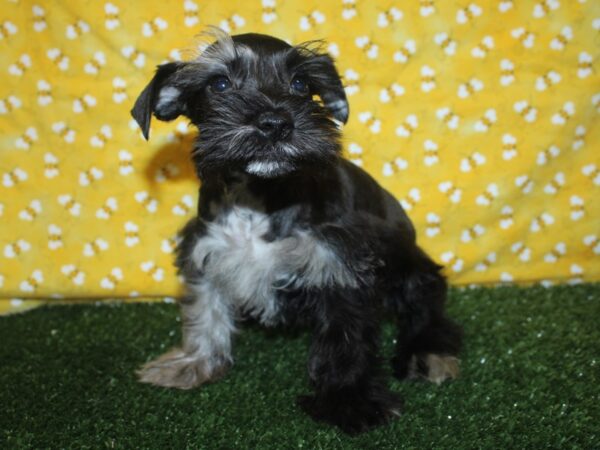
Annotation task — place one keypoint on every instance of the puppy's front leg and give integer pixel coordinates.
(205, 353)
(344, 365)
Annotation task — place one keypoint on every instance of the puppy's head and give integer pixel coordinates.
(261, 105)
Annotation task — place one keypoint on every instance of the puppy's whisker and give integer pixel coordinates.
(289, 149)
(238, 136)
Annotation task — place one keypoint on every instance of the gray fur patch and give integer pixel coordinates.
(218, 53)
(167, 96)
(223, 50)
(263, 168)
(205, 354)
(234, 257)
(208, 323)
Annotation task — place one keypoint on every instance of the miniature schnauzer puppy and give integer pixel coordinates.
(289, 233)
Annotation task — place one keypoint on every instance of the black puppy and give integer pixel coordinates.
(290, 233)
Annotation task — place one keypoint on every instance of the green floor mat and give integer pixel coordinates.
(530, 379)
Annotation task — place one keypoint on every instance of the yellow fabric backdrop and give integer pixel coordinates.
(480, 116)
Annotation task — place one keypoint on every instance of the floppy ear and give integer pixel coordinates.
(161, 97)
(327, 83)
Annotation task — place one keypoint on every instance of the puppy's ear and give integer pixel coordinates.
(327, 83)
(161, 97)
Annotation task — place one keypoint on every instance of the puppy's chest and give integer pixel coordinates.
(237, 258)
(247, 267)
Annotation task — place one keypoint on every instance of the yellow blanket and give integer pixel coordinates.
(480, 116)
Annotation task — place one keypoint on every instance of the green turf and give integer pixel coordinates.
(530, 379)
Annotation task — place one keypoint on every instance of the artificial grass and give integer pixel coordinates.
(530, 379)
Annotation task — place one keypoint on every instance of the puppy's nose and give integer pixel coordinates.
(274, 125)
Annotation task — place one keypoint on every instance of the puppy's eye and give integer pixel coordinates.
(219, 84)
(299, 85)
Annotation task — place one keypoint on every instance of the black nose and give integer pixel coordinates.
(274, 125)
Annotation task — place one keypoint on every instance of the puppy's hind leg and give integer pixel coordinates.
(428, 341)
(205, 353)
(434, 352)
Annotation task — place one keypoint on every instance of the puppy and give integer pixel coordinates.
(289, 233)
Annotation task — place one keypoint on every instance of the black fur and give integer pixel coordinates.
(311, 188)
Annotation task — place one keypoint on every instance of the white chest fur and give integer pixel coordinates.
(235, 258)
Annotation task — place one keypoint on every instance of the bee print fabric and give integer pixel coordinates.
(481, 117)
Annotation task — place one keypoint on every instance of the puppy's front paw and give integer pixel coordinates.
(181, 370)
(353, 410)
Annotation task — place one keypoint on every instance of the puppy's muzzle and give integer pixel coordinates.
(273, 125)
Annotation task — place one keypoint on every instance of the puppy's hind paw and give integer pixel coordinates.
(351, 410)
(181, 370)
(433, 368)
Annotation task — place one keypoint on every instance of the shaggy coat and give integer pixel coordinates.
(290, 233)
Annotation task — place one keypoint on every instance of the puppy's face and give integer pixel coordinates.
(261, 105)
